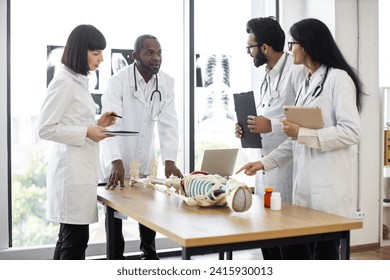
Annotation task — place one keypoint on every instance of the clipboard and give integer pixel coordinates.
(309, 117)
(120, 132)
(244, 104)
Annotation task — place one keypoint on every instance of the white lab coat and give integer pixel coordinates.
(326, 179)
(272, 108)
(73, 168)
(136, 111)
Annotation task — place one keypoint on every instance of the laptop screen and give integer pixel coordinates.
(219, 161)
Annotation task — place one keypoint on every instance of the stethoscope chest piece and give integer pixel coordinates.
(274, 94)
(136, 94)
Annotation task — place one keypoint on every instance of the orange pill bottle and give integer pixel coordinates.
(267, 197)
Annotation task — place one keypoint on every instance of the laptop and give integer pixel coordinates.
(219, 161)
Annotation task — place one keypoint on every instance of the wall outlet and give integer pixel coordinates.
(359, 215)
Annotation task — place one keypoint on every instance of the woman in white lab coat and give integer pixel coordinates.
(68, 118)
(325, 161)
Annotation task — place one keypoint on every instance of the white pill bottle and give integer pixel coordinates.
(276, 201)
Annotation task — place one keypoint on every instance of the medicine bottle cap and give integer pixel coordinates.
(268, 189)
(275, 194)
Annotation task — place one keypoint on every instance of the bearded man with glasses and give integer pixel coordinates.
(265, 44)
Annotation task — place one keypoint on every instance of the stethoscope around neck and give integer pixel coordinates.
(273, 94)
(318, 89)
(154, 108)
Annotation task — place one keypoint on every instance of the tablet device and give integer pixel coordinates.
(309, 117)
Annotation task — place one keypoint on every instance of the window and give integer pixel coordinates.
(39, 30)
(223, 68)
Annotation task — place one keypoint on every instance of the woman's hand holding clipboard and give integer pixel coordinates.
(301, 116)
(309, 117)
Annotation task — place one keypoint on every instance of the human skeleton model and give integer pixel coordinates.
(198, 188)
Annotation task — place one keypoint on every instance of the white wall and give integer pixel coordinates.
(361, 50)
(3, 127)
(295, 10)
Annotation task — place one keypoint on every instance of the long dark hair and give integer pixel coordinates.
(317, 40)
(82, 39)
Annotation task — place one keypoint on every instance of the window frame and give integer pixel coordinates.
(5, 162)
(46, 251)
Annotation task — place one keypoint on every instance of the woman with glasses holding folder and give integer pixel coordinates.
(325, 160)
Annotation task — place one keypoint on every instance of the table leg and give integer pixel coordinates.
(229, 255)
(110, 233)
(344, 246)
(185, 255)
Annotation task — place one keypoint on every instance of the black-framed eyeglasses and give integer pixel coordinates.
(291, 45)
(248, 48)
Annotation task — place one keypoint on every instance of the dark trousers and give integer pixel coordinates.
(326, 250)
(148, 244)
(147, 237)
(272, 253)
(297, 252)
(72, 242)
(323, 250)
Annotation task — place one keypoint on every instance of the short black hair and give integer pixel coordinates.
(267, 30)
(82, 39)
(139, 43)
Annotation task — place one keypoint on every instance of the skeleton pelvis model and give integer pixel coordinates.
(199, 189)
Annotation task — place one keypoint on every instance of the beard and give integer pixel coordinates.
(260, 59)
(148, 68)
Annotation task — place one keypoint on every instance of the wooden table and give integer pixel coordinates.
(218, 230)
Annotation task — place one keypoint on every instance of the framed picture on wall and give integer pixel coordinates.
(120, 58)
(97, 97)
(54, 54)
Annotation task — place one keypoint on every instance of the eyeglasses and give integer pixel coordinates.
(291, 45)
(248, 48)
